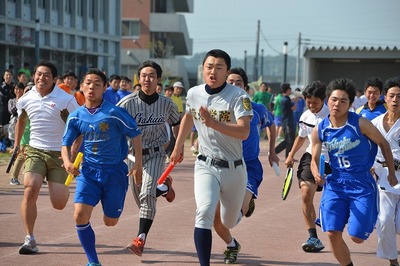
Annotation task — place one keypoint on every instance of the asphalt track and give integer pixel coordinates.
(272, 236)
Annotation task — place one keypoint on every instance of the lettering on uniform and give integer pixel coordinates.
(147, 121)
(341, 145)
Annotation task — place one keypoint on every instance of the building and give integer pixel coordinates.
(358, 64)
(155, 30)
(73, 34)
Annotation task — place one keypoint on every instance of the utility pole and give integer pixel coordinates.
(245, 61)
(255, 74)
(298, 60)
(262, 62)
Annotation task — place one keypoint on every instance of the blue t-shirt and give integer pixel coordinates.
(261, 119)
(104, 133)
(122, 94)
(379, 109)
(349, 150)
(111, 96)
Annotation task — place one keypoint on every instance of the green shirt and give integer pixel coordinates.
(263, 97)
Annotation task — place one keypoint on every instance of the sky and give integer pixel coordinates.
(231, 25)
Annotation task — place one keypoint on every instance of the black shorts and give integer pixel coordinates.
(304, 170)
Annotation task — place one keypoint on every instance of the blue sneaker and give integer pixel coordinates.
(312, 245)
(93, 264)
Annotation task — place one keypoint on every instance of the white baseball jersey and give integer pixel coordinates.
(226, 106)
(307, 122)
(151, 118)
(393, 137)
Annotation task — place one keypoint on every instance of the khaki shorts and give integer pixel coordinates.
(46, 163)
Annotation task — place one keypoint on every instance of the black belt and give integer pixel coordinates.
(396, 164)
(219, 162)
(147, 151)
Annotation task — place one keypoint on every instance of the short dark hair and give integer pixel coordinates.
(69, 73)
(390, 83)
(343, 84)
(285, 87)
(169, 88)
(315, 89)
(19, 85)
(114, 77)
(48, 64)
(126, 78)
(240, 71)
(374, 82)
(98, 72)
(217, 53)
(151, 64)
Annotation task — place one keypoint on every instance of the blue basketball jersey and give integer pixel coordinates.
(349, 150)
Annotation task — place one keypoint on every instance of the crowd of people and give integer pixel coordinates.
(358, 134)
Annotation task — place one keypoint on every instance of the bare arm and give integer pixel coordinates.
(19, 129)
(240, 130)
(369, 130)
(271, 132)
(184, 130)
(316, 153)
(298, 142)
(137, 169)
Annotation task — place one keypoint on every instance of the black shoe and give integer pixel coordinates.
(252, 206)
(231, 253)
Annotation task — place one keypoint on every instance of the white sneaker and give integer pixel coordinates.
(29, 246)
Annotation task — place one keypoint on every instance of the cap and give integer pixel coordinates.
(178, 84)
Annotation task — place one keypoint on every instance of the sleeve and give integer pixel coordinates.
(242, 105)
(71, 131)
(266, 117)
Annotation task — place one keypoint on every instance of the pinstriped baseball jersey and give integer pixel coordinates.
(151, 118)
(226, 106)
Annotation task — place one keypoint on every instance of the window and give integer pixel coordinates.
(131, 28)
(68, 7)
(42, 4)
(54, 4)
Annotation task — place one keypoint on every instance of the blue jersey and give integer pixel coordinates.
(261, 119)
(349, 150)
(104, 133)
(111, 96)
(379, 109)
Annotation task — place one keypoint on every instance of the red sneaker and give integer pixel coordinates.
(136, 246)
(170, 195)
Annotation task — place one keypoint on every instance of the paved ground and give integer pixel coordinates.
(272, 236)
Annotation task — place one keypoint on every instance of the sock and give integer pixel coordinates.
(232, 244)
(351, 264)
(144, 226)
(32, 237)
(161, 189)
(313, 232)
(88, 241)
(203, 242)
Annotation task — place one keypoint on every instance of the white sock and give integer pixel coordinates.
(232, 244)
(142, 236)
(32, 237)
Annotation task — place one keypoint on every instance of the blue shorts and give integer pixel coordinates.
(278, 120)
(254, 176)
(351, 200)
(108, 185)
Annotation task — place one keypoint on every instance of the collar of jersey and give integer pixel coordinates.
(209, 90)
(149, 99)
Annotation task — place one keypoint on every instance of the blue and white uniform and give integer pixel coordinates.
(379, 109)
(104, 173)
(220, 172)
(251, 146)
(350, 192)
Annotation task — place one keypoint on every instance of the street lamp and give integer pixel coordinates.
(285, 52)
(37, 31)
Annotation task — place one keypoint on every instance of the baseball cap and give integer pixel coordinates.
(178, 84)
